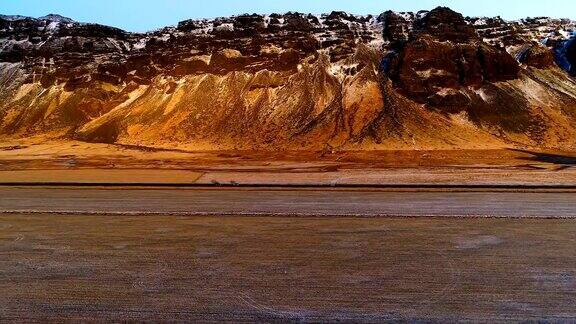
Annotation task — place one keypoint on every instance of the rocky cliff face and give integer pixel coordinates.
(421, 80)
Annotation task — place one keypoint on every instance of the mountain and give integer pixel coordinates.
(13, 17)
(425, 80)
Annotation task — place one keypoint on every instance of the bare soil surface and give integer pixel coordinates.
(77, 267)
(28, 161)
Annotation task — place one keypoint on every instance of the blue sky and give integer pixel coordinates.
(143, 15)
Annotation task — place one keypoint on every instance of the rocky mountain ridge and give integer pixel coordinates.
(432, 79)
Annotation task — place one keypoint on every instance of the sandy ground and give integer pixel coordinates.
(55, 268)
(29, 160)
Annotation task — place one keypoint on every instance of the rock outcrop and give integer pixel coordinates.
(445, 55)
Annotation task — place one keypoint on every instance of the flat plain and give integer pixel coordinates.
(86, 235)
(205, 268)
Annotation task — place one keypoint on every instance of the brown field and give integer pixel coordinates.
(28, 160)
(55, 268)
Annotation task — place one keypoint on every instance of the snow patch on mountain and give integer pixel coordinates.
(57, 18)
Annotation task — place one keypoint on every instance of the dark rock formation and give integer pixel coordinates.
(537, 56)
(445, 52)
(571, 55)
(396, 28)
(445, 24)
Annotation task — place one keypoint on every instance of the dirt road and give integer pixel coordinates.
(557, 204)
